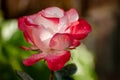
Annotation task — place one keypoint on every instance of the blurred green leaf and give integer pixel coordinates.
(84, 61)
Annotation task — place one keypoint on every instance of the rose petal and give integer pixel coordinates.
(54, 20)
(75, 44)
(72, 15)
(79, 30)
(35, 34)
(49, 24)
(28, 37)
(33, 59)
(63, 24)
(21, 23)
(53, 12)
(39, 36)
(29, 48)
(60, 41)
(57, 60)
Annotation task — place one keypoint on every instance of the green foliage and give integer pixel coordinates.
(84, 61)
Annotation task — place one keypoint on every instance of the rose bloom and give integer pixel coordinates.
(54, 33)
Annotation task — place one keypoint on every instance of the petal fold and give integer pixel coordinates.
(79, 30)
(53, 12)
(40, 35)
(60, 41)
(23, 26)
(75, 44)
(21, 23)
(34, 48)
(72, 15)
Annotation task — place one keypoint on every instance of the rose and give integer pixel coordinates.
(54, 33)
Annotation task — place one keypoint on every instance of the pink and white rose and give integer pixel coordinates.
(54, 32)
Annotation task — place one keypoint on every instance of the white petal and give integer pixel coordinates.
(53, 12)
(49, 25)
(63, 24)
(40, 35)
(72, 15)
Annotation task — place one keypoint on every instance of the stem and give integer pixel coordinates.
(51, 75)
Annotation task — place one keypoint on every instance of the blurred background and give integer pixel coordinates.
(103, 44)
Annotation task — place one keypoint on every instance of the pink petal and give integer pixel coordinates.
(75, 44)
(53, 12)
(72, 15)
(54, 20)
(57, 60)
(33, 59)
(63, 24)
(29, 22)
(60, 41)
(80, 30)
(48, 23)
(40, 35)
(35, 33)
(29, 48)
(21, 23)
(28, 37)
(25, 23)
